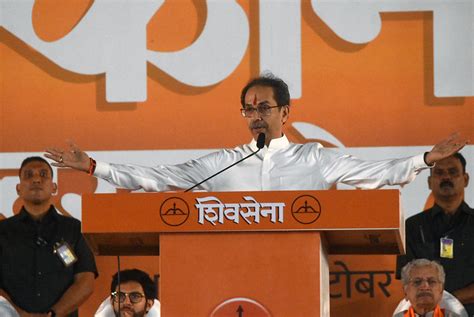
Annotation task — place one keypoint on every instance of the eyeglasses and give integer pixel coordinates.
(416, 282)
(263, 110)
(135, 297)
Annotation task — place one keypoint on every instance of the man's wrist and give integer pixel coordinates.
(425, 157)
(92, 165)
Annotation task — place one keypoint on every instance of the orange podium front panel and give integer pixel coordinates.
(280, 271)
(237, 253)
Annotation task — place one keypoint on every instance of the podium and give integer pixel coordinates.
(244, 253)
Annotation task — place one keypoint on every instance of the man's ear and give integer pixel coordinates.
(55, 188)
(441, 291)
(18, 189)
(286, 114)
(149, 304)
(466, 179)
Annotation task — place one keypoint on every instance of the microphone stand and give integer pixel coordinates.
(260, 145)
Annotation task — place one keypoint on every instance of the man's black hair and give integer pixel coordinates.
(138, 276)
(281, 93)
(34, 159)
(461, 159)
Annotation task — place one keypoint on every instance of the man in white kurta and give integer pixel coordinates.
(280, 165)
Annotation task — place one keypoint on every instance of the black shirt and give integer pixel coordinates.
(423, 233)
(32, 275)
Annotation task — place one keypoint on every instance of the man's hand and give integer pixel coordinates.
(446, 148)
(72, 157)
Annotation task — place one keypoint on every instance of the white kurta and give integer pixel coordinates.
(280, 166)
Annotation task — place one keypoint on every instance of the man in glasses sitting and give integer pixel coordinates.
(423, 284)
(135, 296)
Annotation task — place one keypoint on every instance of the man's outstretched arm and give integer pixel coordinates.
(75, 158)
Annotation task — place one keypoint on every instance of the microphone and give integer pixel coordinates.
(260, 141)
(260, 145)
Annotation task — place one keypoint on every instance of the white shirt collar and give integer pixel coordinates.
(275, 144)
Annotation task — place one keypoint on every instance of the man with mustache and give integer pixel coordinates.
(280, 165)
(445, 232)
(423, 282)
(46, 267)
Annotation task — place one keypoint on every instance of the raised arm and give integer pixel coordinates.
(134, 177)
(370, 174)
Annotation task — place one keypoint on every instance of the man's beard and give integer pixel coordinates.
(135, 314)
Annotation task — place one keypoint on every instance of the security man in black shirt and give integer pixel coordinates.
(445, 232)
(46, 267)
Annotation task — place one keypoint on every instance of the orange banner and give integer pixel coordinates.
(151, 82)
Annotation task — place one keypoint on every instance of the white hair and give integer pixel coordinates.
(406, 271)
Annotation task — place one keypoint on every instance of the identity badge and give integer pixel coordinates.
(446, 248)
(65, 253)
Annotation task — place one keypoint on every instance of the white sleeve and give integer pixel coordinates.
(6, 309)
(158, 178)
(339, 168)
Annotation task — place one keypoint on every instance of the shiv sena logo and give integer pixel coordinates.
(174, 211)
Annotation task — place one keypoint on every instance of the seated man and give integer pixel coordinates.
(46, 266)
(423, 284)
(135, 298)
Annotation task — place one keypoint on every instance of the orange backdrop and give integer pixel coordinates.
(367, 95)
